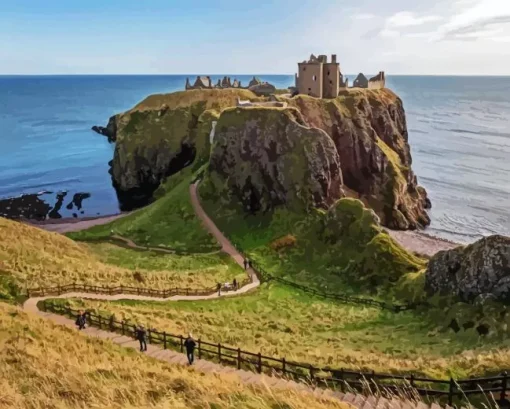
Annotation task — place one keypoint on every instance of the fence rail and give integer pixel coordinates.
(339, 378)
(123, 289)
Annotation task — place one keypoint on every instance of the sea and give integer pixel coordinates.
(459, 131)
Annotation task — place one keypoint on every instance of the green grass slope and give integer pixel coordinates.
(170, 221)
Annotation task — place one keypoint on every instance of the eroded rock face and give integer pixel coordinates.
(160, 136)
(265, 157)
(481, 269)
(370, 133)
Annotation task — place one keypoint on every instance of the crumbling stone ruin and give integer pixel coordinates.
(255, 85)
(322, 79)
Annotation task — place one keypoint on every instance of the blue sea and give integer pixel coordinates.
(459, 131)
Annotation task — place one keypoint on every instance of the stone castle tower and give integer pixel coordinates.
(319, 78)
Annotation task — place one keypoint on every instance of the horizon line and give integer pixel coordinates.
(248, 74)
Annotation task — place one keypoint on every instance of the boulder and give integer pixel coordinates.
(478, 271)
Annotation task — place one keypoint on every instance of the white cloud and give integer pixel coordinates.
(387, 33)
(409, 19)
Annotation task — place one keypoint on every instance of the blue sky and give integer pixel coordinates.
(243, 37)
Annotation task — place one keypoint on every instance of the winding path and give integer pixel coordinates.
(356, 400)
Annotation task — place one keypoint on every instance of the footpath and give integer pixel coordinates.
(352, 398)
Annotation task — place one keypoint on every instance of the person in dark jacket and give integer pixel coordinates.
(218, 288)
(190, 345)
(81, 320)
(245, 263)
(234, 284)
(141, 335)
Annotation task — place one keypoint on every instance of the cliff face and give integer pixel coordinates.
(160, 136)
(480, 269)
(265, 157)
(310, 153)
(369, 130)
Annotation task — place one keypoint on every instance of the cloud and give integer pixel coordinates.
(496, 27)
(409, 19)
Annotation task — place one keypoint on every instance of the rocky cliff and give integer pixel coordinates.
(310, 153)
(369, 130)
(160, 136)
(480, 269)
(265, 157)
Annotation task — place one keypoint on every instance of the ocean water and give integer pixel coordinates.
(459, 131)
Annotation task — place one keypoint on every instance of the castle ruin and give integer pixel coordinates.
(322, 79)
(255, 85)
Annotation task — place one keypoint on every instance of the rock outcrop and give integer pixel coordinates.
(265, 157)
(481, 269)
(369, 130)
(162, 135)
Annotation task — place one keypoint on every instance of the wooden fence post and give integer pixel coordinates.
(122, 324)
(164, 339)
(199, 349)
(219, 352)
(182, 343)
(412, 381)
(112, 328)
(238, 358)
(451, 391)
(312, 376)
(283, 366)
(503, 386)
(259, 366)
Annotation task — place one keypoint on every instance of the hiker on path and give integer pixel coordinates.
(190, 345)
(81, 320)
(141, 335)
(234, 284)
(245, 263)
(218, 287)
(249, 264)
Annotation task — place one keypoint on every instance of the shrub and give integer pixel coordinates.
(283, 242)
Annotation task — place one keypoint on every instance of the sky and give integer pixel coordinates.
(414, 37)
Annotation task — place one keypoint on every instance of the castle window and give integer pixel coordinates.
(314, 77)
(304, 68)
(328, 72)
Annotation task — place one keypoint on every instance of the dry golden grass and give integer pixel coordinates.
(47, 366)
(34, 257)
(281, 322)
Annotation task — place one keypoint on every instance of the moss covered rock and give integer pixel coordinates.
(264, 157)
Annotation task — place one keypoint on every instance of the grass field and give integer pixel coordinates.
(342, 250)
(47, 366)
(169, 222)
(282, 322)
(31, 257)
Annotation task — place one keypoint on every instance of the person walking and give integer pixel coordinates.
(190, 345)
(81, 320)
(234, 284)
(245, 263)
(218, 287)
(141, 335)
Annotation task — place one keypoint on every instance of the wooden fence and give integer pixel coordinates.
(448, 390)
(123, 289)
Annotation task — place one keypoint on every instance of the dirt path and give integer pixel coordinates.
(73, 225)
